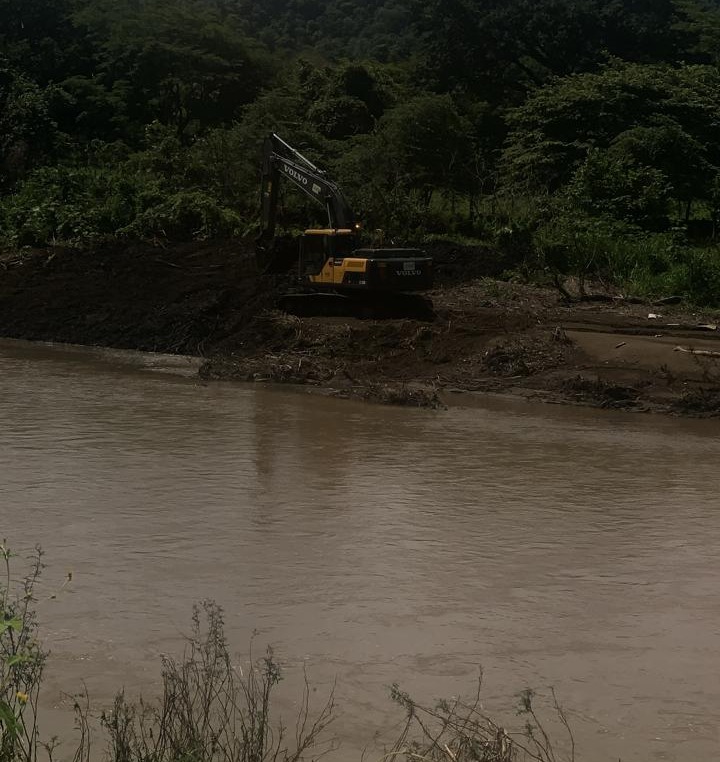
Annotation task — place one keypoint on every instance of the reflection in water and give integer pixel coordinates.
(552, 546)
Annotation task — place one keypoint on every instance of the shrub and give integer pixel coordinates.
(187, 214)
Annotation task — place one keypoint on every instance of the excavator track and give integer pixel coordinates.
(362, 305)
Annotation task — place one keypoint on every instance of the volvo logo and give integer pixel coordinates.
(295, 174)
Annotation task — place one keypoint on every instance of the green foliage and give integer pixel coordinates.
(694, 273)
(679, 156)
(608, 185)
(342, 101)
(40, 39)
(85, 205)
(417, 159)
(185, 215)
(427, 141)
(27, 131)
(383, 29)
(505, 48)
(553, 131)
(650, 265)
(21, 663)
(186, 64)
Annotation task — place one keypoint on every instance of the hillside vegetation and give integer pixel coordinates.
(581, 137)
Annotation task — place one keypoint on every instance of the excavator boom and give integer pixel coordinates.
(281, 160)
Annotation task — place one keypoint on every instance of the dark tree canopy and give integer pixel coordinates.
(145, 117)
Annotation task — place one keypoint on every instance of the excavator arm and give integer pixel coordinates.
(282, 160)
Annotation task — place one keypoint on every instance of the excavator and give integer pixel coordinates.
(336, 275)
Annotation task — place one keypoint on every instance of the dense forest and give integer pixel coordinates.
(583, 136)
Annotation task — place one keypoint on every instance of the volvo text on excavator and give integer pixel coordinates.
(335, 273)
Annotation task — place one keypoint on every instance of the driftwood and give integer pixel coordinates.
(667, 300)
(693, 327)
(701, 352)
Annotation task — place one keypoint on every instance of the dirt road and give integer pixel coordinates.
(489, 335)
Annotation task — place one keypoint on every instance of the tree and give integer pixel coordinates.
(666, 118)
(621, 188)
(426, 141)
(671, 151)
(185, 63)
(27, 131)
(39, 38)
(499, 50)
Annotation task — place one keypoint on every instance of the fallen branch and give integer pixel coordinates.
(703, 352)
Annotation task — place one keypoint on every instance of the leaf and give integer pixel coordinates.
(7, 718)
(18, 659)
(11, 624)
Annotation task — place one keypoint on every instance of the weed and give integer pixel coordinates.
(22, 661)
(460, 731)
(210, 711)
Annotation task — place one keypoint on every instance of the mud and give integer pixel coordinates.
(489, 335)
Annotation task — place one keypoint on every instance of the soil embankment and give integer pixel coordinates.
(489, 336)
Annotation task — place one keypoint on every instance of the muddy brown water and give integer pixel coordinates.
(372, 545)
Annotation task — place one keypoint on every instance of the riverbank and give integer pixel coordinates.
(490, 336)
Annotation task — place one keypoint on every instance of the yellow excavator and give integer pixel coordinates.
(336, 275)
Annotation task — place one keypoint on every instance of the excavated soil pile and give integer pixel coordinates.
(210, 299)
(183, 299)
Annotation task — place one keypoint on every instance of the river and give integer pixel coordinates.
(370, 545)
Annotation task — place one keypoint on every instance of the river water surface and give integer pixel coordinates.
(372, 545)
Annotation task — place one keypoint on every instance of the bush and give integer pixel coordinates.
(210, 710)
(621, 256)
(187, 214)
(622, 189)
(75, 206)
(88, 205)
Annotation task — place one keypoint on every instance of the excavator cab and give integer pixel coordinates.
(320, 247)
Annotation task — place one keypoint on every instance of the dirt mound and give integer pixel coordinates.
(184, 299)
(399, 361)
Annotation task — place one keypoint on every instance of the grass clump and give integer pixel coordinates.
(212, 711)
